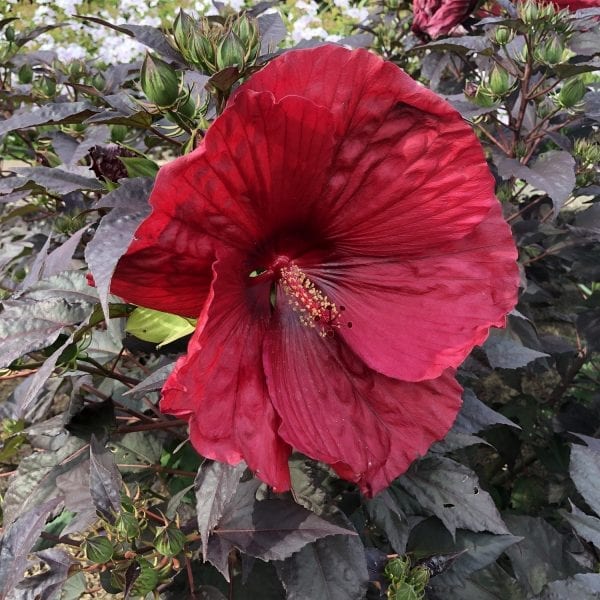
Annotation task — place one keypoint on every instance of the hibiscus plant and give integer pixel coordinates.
(311, 322)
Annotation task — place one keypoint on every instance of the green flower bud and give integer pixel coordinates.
(76, 69)
(247, 31)
(25, 74)
(551, 52)
(47, 87)
(204, 54)
(419, 578)
(528, 11)
(183, 31)
(231, 52)
(571, 93)
(98, 81)
(9, 34)
(169, 541)
(160, 82)
(98, 549)
(397, 569)
(500, 81)
(484, 97)
(118, 133)
(503, 35)
(187, 107)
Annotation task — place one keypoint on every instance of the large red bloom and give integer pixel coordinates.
(437, 18)
(338, 236)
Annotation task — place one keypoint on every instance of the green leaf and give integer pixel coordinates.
(138, 166)
(158, 327)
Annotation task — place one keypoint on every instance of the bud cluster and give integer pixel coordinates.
(118, 550)
(405, 580)
(214, 44)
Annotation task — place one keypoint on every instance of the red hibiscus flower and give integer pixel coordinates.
(338, 235)
(436, 18)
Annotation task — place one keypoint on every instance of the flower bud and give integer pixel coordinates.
(500, 81)
(397, 570)
(183, 31)
(503, 35)
(98, 549)
(247, 31)
(571, 93)
(118, 133)
(47, 87)
(169, 541)
(484, 97)
(231, 52)
(76, 69)
(160, 82)
(551, 52)
(528, 11)
(419, 578)
(25, 74)
(9, 33)
(204, 53)
(98, 81)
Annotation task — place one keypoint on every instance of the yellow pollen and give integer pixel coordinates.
(312, 305)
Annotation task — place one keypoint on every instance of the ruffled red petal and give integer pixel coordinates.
(220, 384)
(407, 172)
(335, 409)
(413, 318)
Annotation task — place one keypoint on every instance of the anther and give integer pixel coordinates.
(313, 307)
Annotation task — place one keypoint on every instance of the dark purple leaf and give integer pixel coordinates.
(462, 45)
(48, 264)
(332, 568)
(215, 485)
(149, 36)
(272, 31)
(586, 526)
(592, 105)
(105, 481)
(503, 352)
(584, 469)
(583, 586)
(541, 556)
(153, 382)
(62, 112)
(208, 592)
(451, 492)
(48, 584)
(57, 180)
(267, 529)
(35, 480)
(32, 326)
(553, 172)
(115, 232)
(475, 416)
(384, 511)
(18, 540)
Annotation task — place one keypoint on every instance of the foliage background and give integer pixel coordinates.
(101, 494)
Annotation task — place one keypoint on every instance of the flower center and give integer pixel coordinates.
(313, 307)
